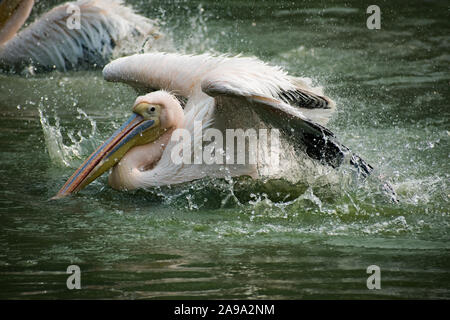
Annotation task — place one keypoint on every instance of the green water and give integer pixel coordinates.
(229, 239)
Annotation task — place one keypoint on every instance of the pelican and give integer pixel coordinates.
(220, 92)
(79, 34)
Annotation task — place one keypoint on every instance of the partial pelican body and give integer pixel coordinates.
(74, 35)
(220, 93)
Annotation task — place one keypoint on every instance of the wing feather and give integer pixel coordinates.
(312, 138)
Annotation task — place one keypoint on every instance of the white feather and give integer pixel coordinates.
(184, 74)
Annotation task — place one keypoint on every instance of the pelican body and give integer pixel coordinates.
(74, 35)
(220, 93)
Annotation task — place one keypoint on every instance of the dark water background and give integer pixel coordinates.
(231, 239)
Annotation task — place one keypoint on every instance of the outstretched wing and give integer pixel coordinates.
(56, 41)
(308, 136)
(183, 74)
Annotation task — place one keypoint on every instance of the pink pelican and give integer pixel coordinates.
(79, 34)
(219, 92)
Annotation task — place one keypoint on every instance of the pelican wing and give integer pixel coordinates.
(310, 137)
(55, 42)
(183, 74)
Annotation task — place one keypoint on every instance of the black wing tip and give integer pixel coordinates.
(364, 168)
(305, 99)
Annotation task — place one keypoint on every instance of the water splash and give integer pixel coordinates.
(187, 31)
(62, 153)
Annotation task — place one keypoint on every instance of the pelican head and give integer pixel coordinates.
(13, 14)
(136, 146)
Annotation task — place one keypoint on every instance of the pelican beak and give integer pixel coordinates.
(137, 130)
(8, 7)
(13, 14)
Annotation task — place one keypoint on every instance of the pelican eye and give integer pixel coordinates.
(147, 110)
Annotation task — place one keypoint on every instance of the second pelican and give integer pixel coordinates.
(74, 35)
